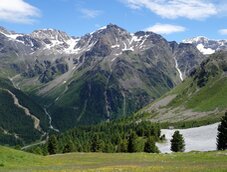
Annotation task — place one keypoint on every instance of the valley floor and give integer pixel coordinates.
(17, 161)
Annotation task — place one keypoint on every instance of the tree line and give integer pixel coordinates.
(107, 137)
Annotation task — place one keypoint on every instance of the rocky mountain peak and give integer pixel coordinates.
(50, 34)
(3, 30)
(114, 27)
(109, 28)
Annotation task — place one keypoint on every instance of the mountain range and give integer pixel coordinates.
(100, 76)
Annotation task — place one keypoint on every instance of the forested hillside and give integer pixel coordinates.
(22, 120)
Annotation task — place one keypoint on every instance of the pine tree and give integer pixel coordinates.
(150, 146)
(97, 144)
(44, 150)
(52, 145)
(177, 142)
(122, 146)
(69, 147)
(132, 142)
(37, 150)
(222, 134)
(108, 147)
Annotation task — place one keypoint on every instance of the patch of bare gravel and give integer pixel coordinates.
(161, 103)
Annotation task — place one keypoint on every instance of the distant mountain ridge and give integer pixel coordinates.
(207, 46)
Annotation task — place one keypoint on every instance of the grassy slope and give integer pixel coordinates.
(208, 98)
(217, 97)
(189, 96)
(213, 94)
(13, 160)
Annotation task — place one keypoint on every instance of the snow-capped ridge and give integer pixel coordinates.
(196, 39)
(100, 29)
(12, 36)
(207, 46)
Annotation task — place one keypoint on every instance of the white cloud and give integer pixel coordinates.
(172, 9)
(165, 28)
(18, 11)
(90, 13)
(223, 31)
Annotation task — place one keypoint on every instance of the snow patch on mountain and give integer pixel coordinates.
(196, 139)
(12, 36)
(178, 69)
(100, 29)
(204, 50)
(145, 38)
(72, 44)
(135, 38)
(115, 46)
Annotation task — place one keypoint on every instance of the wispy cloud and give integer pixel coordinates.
(165, 28)
(18, 11)
(90, 13)
(172, 9)
(223, 31)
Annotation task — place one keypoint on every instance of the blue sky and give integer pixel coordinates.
(174, 19)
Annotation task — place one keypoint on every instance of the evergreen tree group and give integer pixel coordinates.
(106, 137)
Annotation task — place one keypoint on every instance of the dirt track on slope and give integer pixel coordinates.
(27, 112)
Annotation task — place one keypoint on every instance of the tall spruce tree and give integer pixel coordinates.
(177, 142)
(132, 142)
(150, 146)
(222, 134)
(69, 147)
(122, 146)
(96, 144)
(52, 145)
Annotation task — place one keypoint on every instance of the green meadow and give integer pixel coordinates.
(17, 161)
